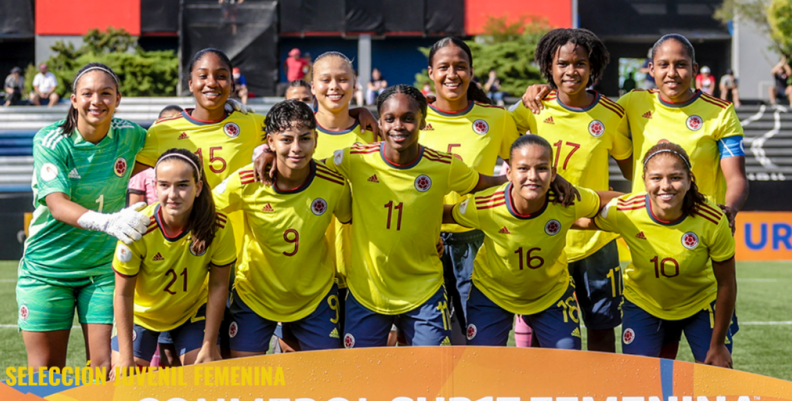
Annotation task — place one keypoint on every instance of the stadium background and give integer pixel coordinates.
(386, 34)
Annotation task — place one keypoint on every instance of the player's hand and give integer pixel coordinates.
(565, 193)
(731, 214)
(232, 105)
(128, 225)
(440, 247)
(208, 354)
(532, 99)
(264, 164)
(719, 356)
(124, 367)
(368, 122)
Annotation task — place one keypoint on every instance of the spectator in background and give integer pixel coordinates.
(728, 84)
(427, 89)
(629, 83)
(295, 66)
(14, 87)
(308, 67)
(493, 88)
(781, 73)
(240, 86)
(705, 81)
(649, 81)
(230, 13)
(44, 84)
(358, 91)
(375, 86)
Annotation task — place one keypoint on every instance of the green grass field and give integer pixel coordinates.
(763, 306)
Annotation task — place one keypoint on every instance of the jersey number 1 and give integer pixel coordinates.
(399, 208)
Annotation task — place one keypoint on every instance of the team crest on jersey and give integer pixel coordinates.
(690, 240)
(423, 183)
(471, 331)
(123, 253)
(232, 130)
(596, 128)
(48, 172)
(319, 206)
(552, 227)
(349, 340)
(24, 312)
(629, 336)
(480, 127)
(120, 167)
(694, 123)
(233, 329)
(338, 157)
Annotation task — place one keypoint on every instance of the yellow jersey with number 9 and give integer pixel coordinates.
(477, 135)
(522, 266)
(397, 211)
(670, 275)
(171, 280)
(287, 266)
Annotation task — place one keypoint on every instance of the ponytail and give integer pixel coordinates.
(70, 124)
(202, 217)
(477, 94)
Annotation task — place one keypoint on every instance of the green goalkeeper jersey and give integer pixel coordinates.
(94, 176)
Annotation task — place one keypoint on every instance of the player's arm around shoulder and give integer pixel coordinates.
(228, 195)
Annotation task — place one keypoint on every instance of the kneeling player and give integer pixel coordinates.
(522, 266)
(681, 278)
(287, 272)
(161, 280)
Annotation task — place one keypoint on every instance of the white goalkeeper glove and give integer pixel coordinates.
(128, 225)
(232, 105)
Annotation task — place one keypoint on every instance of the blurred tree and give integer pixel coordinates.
(140, 72)
(772, 17)
(506, 47)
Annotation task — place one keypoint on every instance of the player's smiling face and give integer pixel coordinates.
(400, 121)
(95, 98)
(293, 147)
(673, 70)
(176, 187)
(666, 182)
(451, 72)
(210, 82)
(300, 93)
(531, 171)
(571, 69)
(333, 83)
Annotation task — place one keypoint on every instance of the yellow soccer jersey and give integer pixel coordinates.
(696, 125)
(476, 135)
(286, 267)
(522, 266)
(582, 139)
(670, 275)
(171, 280)
(224, 146)
(397, 213)
(340, 234)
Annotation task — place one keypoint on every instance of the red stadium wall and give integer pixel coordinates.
(76, 17)
(557, 12)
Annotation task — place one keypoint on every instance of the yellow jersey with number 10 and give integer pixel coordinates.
(582, 140)
(670, 275)
(397, 212)
(522, 266)
(287, 266)
(477, 135)
(171, 280)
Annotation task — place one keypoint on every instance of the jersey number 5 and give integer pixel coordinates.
(213, 159)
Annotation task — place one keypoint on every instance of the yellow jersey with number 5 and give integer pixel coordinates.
(171, 279)
(522, 266)
(670, 275)
(477, 135)
(397, 211)
(582, 140)
(287, 266)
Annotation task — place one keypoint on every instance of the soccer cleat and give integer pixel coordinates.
(267, 208)
(157, 257)
(373, 178)
(504, 230)
(549, 120)
(640, 235)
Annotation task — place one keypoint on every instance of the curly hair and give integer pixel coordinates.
(550, 43)
(289, 114)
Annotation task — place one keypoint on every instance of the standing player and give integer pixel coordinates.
(175, 279)
(522, 267)
(142, 187)
(79, 184)
(462, 121)
(584, 128)
(681, 278)
(287, 272)
(395, 275)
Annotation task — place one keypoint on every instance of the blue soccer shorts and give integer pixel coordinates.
(598, 287)
(185, 338)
